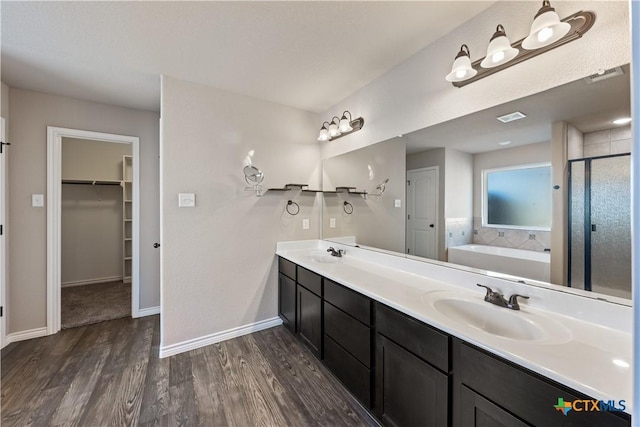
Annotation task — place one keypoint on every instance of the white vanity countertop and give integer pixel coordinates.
(592, 352)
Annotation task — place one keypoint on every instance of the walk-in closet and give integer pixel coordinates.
(96, 233)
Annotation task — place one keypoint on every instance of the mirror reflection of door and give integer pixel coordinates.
(422, 212)
(599, 224)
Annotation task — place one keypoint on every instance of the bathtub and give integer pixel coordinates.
(517, 262)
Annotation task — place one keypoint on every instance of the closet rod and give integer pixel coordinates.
(79, 182)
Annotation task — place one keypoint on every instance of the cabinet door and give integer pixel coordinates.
(409, 391)
(287, 302)
(476, 411)
(309, 320)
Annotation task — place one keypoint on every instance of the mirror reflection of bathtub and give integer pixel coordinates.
(517, 262)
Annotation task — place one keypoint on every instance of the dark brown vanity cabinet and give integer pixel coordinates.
(309, 310)
(348, 338)
(287, 294)
(412, 365)
(490, 391)
(411, 374)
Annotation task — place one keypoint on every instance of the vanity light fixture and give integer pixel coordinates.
(546, 28)
(622, 121)
(499, 51)
(461, 69)
(339, 127)
(324, 132)
(547, 32)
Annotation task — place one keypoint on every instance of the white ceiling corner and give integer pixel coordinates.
(308, 55)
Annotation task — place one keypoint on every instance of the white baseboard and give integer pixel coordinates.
(217, 337)
(149, 311)
(91, 281)
(27, 335)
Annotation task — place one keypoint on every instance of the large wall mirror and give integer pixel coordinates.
(537, 189)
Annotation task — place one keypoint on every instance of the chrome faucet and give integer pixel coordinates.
(338, 253)
(498, 299)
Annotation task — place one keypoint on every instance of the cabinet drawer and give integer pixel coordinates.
(349, 333)
(310, 280)
(353, 374)
(348, 301)
(287, 268)
(422, 340)
(525, 393)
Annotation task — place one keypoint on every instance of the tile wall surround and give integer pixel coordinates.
(459, 231)
(601, 143)
(531, 240)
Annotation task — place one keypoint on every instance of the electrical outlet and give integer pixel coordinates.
(398, 203)
(305, 224)
(332, 223)
(186, 200)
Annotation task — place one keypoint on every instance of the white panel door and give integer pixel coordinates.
(3, 252)
(422, 212)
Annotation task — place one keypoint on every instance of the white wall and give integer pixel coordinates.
(415, 95)
(218, 264)
(32, 112)
(375, 221)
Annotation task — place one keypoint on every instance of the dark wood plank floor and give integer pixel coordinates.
(110, 374)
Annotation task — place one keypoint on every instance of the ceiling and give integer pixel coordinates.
(587, 106)
(309, 55)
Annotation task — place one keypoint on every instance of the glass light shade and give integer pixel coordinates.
(345, 126)
(324, 134)
(333, 130)
(546, 29)
(499, 52)
(461, 70)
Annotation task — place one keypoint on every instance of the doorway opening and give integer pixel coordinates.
(92, 227)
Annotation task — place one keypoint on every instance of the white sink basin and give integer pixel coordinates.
(472, 312)
(324, 258)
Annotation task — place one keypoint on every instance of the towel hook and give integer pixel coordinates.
(347, 208)
(289, 208)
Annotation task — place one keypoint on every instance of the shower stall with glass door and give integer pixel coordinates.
(600, 225)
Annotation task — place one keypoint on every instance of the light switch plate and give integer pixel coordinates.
(398, 203)
(332, 223)
(186, 200)
(305, 224)
(37, 200)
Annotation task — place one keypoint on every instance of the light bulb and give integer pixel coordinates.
(324, 135)
(545, 34)
(461, 73)
(498, 56)
(333, 130)
(345, 126)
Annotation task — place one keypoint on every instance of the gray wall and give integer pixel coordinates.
(32, 113)
(91, 235)
(86, 159)
(218, 264)
(375, 221)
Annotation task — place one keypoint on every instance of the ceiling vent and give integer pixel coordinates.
(516, 115)
(604, 75)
